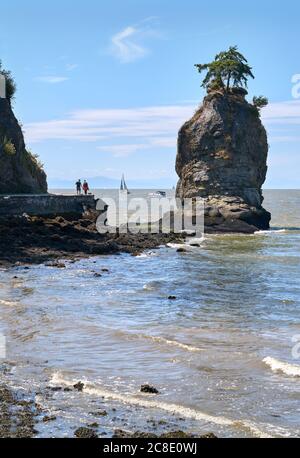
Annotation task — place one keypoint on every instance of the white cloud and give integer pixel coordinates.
(125, 131)
(282, 113)
(164, 142)
(284, 138)
(124, 48)
(139, 127)
(282, 120)
(51, 79)
(122, 150)
(128, 45)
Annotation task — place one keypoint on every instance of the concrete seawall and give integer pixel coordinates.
(45, 204)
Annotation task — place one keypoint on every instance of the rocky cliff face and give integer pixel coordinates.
(19, 170)
(222, 154)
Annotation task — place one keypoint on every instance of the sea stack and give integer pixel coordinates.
(222, 157)
(20, 171)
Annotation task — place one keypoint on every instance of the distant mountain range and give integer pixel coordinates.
(105, 182)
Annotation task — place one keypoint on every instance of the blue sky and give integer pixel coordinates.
(103, 86)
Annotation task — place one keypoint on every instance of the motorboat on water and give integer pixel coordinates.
(157, 194)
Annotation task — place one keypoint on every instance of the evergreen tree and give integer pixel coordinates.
(229, 69)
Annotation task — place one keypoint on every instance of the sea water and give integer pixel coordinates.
(224, 354)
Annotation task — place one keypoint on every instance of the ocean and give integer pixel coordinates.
(224, 354)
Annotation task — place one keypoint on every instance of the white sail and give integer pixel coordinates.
(123, 186)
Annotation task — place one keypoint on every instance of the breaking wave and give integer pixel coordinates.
(181, 410)
(270, 231)
(156, 339)
(280, 366)
(173, 343)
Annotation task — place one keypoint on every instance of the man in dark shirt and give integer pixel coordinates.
(78, 186)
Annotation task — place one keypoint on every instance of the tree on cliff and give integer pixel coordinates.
(10, 83)
(260, 101)
(229, 69)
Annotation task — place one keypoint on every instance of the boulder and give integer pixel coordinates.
(222, 157)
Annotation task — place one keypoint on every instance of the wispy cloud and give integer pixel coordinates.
(126, 131)
(124, 48)
(123, 150)
(284, 138)
(121, 131)
(51, 79)
(128, 45)
(282, 121)
(282, 113)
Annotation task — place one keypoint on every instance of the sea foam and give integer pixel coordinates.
(140, 401)
(280, 366)
(173, 343)
(270, 231)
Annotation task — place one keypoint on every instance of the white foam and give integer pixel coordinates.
(183, 411)
(158, 339)
(146, 254)
(198, 240)
(177, 245)
(280, 366)
(148, 287)
(9, 303)
(173, 343)
(270, 231)
(186, 245)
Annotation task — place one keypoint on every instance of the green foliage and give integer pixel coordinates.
(32, 160)
(10, 82)
(229, 69)
(216, 84)
(260, 102)
(8, 147)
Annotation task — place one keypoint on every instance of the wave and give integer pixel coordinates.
(173, 343)
(280, 366)
(188, 244)
(156, 339)
(270, 231)
(177, 245)
(8, 303)
(146, 254)
(177, 409)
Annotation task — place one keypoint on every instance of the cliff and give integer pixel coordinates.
(221, 156)
(20, 171)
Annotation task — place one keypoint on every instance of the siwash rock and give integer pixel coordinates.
(222, 157)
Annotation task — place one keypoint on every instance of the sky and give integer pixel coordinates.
(104, 86)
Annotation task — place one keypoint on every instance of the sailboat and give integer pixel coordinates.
(123, 186)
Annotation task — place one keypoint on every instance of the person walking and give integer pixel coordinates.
(78, 186)
(85, 187)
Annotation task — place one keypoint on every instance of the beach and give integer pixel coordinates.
(212, 328)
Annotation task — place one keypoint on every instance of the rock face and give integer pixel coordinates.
(19, 170)
(222, 155)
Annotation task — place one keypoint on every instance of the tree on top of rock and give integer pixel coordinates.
(230, 69)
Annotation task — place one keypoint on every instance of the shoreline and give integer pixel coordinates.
(21, 417)
(17, 415)
(36, 240)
